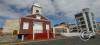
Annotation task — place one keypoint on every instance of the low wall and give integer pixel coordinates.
(70, 34)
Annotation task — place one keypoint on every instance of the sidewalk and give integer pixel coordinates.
(24, 42)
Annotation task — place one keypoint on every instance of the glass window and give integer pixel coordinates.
(37, 27)
(83, 26)
(83, 22)
(25, 25)
(47, 27)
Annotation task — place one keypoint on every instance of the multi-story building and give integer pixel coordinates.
(98, 27)
(11, 26)
(61, 28)
(73, 28)
(85, 20)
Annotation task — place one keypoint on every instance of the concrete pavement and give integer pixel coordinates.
(63, 41)
(66, 41)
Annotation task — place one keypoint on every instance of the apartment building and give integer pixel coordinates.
(86, 20)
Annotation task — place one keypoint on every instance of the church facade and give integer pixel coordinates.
(35, 26)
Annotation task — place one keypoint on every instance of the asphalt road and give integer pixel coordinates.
(67, 41)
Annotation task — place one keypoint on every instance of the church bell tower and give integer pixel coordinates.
(36, 8)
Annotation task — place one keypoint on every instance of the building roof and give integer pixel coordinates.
(86, 9)
(83, 10)
(33, 16)
(60, 24)
(78, 14)
(37, 4)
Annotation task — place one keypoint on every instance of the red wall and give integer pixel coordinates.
(29, 32)
(28, 37)
(41, 36)
(51, 35)
(38, 36)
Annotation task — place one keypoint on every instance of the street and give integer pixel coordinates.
(66, 41)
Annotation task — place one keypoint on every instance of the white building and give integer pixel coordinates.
(61, 28)
(73, 28)
(11, 26)
(85, 20)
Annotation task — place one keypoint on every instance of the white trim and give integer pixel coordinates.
(48, 33)
(35, 18)
(22, 37)
(47, 27)
(38, 17)
(91, 21)
(33, 35)
(53, 32)
(84, 15)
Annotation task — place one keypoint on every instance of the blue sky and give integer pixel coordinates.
(56, 11)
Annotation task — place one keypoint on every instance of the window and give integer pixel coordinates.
(37, 27)
(38, 17)
(25, 25)
(94, 26)
(81, 18)
(59, 30)
(47, 27)
(83, 26)
(83, 22)
(93, 22)
(92, 14)
(37, 11)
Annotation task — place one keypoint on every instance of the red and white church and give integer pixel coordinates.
(35, 26)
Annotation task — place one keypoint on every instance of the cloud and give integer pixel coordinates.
(5, 11)
(96, 8)
(18, 8)
(19, 3)
(6, 6)
(72, 7)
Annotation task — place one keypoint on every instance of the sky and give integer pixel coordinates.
(56, 11)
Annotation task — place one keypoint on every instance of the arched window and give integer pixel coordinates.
(15, 32)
